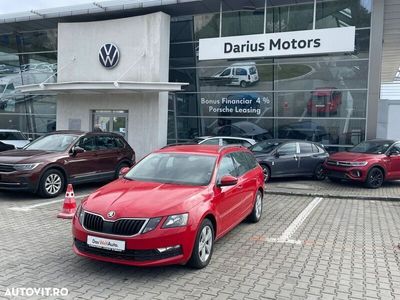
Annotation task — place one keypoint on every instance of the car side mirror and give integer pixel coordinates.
(276, 154)
(124, 171)
(227, 180)
(77, 150)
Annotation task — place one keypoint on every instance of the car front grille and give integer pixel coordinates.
(338, 163)
(6, 168)
(135, 255)
(124, 227)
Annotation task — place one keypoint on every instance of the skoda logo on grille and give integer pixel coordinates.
(109, 55)
(111, 214)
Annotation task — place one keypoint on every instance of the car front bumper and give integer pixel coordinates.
(349, 173)
(18, 181)
(140, 250)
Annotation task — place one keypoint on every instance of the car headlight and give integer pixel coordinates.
(25, 167)
(80, 214)
(151, 224)
(359, 163)
(176, 221)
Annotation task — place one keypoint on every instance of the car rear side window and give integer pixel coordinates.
(252, 161)
(211, 142)
(119, 143)
(305, 148)
(240, 71)
(105, 142)
(226, 167)
(241, 163)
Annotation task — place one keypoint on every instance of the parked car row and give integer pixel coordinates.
(173, 205)
(46, 165)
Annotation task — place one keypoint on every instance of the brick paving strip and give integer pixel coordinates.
(390, 191)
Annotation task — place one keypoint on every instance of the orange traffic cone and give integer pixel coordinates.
(69, 206)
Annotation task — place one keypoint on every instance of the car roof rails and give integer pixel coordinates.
(231, 145)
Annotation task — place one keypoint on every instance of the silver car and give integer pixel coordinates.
(13, 137)
(224, 140)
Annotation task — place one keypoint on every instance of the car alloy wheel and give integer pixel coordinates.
(256, 213)
(205, 243)
(203, 246)
(53, 184)
(375, 178)
(266, 173)
(258, 206)
(319, 172)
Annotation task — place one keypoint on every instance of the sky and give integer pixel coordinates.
(12, 6)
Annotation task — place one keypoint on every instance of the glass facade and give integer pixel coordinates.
(321, 98)
(27, 58)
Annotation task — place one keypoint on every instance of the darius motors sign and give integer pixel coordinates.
(109, 55)
(293, 43)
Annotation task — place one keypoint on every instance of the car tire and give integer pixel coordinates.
(319, 172)
(203, 246)
(243, 84)
(119, 168)
(52, 184)
(256, 213)
(267, 172)
(375, 178)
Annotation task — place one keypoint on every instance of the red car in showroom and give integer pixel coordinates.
(371, 162)
(324, 101)
(171, 207)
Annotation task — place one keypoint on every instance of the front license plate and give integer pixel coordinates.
(98, 242)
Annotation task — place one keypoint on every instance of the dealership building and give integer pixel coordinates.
(168, 71)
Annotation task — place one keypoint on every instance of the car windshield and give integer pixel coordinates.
(54, 142)
(372, 147)
(265, 147)
(11, 136)
(174, 168)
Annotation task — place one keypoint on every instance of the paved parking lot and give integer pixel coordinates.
(339, 249)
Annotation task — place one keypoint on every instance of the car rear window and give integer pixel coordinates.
(253, 70)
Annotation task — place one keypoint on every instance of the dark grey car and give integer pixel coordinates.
(290, 158)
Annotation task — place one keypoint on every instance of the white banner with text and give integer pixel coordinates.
(305, 42)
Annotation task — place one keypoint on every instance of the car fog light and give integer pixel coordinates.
(356, 173)
(162, 250)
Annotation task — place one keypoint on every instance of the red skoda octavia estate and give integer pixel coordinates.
(171, 207)
(371, 162)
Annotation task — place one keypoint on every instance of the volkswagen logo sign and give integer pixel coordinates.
(109, 55)
(111, 214)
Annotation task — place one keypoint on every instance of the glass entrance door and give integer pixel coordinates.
(111, 121)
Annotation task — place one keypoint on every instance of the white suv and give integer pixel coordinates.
(242, 74)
